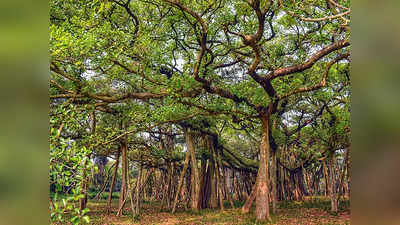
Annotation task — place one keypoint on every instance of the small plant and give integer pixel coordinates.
(64, 206)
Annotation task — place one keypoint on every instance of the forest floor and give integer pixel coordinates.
(289, 213)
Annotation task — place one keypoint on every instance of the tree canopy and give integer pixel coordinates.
(251, 86)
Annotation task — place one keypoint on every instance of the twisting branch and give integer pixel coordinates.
(310, 62)
(322, 83)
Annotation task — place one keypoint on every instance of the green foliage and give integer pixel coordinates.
(133, 65)
(66, 205)
(69, 163)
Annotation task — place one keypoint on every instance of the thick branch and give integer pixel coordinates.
(310, 62)
(323, 80)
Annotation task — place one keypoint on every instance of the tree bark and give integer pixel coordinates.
(333, 195)
(202, 176)
(205, 190)
(195, 172)
(247, 205)
(348, 186)
(170, 171)
(181, 178)
(273, 182)
(128, 190)
(138, 189)
(262, 196)
(124, 168)
(217, 174)
(213, 183)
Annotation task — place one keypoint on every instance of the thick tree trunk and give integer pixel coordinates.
(262, 196)
(195, 173)
(217, 174)
(203, 178)
(332, 179)
(273, 182)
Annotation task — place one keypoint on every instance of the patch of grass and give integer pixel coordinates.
(103, 195)
(317, 203)
(238, 204)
